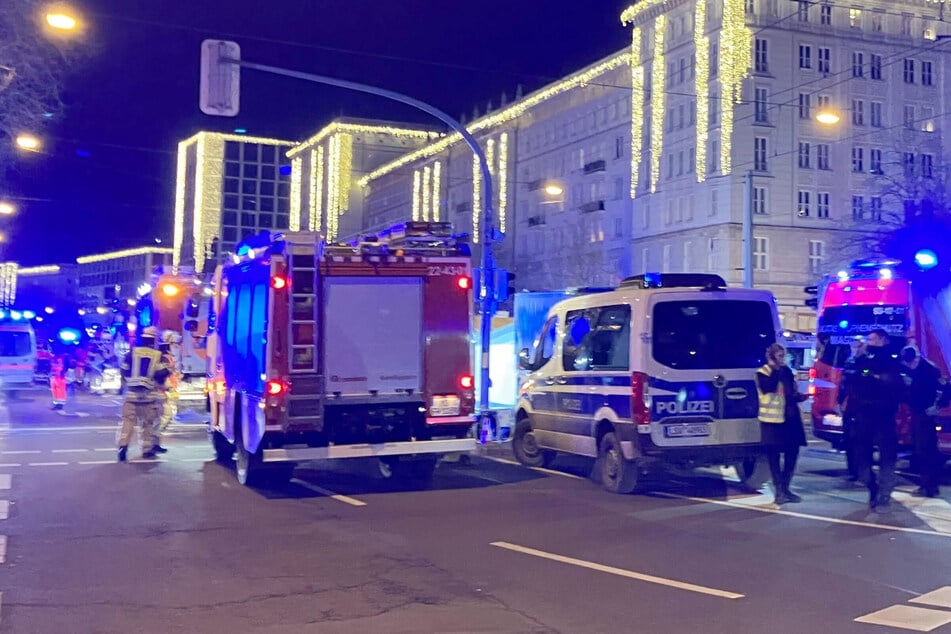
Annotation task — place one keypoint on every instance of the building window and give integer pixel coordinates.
(816, 253)
(909, 74)
(760, 105)
(691, 160)
(858, 160)
(927, 165)
(825, 14)
(805, 56)
(876, 114)
(822, 102)
(751, 7)
(909, 119)
(805, 110)
(665, 258)
(618, 228)
(619, 143)
(858, 207)
(875, 161)
(858, 112)
(762, 59)
(824, 60)
(906, 24)
(822, 205)
(760, 201)
(688, 248)
(927, 119)
(927, 79)
(714, 116)
(804, 152)
(858, 64)
(875, 208)
(680, 163)
(804, 203)
(692, 113)
(761, 254)
(760, 163)
(803, 10)
(714, 59)
(908, 164)
(878, 21)
(670, 165)
(714, 202)
(855, 18)
(822, 156)
(875, 66)
(714, 156)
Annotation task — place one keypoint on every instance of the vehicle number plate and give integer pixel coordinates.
(687, 430)
(445, 406)
(831, 420)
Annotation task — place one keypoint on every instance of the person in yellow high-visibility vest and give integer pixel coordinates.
(144, 372)
(780, 420)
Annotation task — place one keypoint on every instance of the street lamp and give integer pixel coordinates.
(7, 209)
(554, 189)
(61, 21)
(828, 117)
(28, 142)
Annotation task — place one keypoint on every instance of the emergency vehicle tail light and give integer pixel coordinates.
(275, 388)
(278, 282)
(640, 409)
(169, 290)
(466, 382)
(812, 381)
(464, 282)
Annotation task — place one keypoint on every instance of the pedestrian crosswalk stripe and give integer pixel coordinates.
(907, 617)
(4, 481)
(4, 509)
(939, 598)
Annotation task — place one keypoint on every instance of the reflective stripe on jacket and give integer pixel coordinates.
(772, 405)
(144, 363)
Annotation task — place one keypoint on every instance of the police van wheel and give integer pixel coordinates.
(618, 475)
(224, 450)
(526, 449)
(753, 472)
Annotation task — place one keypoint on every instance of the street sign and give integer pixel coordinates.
(220, 84)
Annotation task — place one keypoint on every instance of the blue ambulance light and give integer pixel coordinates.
(16, 315)
(29, 314)
(844, 324)
(244, 250)
(69, 335)
(885, 273)
(926, 259)
(653, 280)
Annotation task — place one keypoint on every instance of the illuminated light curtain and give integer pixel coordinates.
(180, 177)
(427, 192)
(316, 188)
(736, 57)
(198, 210)
(333, 205)
(503, 179)
(658, 75)
(437, 190)
(297, 178)
(702, 46)
(417, 197)
(476, 199)
(637, 109)
(344, 171)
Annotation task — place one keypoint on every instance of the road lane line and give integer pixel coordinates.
(70, 450)
(97, 462)
(4, 509)
(21, 451)
(539, 469)
(620, 572)
(10, 464)
(4, 481)
(105, 449)
(328, 493)
(76, 428)
(47, 464)
(196, 460)
(3, 549)
(805, 516)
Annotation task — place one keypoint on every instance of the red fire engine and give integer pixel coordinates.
(875, 294)
(323, 351)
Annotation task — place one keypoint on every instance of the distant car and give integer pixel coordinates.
(107, 382)
(17, 354)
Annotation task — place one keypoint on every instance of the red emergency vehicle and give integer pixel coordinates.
(873, 294)
(323, 351)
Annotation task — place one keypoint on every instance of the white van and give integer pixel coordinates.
(17, 354)
(660, 370)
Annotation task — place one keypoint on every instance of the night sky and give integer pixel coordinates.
(108, 179)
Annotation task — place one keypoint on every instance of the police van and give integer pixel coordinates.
(657, 372)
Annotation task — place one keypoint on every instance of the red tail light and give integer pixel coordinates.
(466, 382)
(812, 381)
(640, 410)
(464, 282)
(275, 388)
(278, 282)
(812, 374)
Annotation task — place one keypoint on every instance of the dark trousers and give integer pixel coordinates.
(848, 442)
(876, 428)
(782, 475)
(927, 455)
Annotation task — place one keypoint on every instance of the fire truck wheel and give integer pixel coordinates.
(618, 474)
(753, 472)
(526, 448)
(224, 450)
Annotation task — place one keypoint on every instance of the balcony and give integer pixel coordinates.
(595, 166)
(536, 221)
(594, 205)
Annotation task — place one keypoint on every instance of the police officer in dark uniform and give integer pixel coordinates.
(926, 390)
(847, 405)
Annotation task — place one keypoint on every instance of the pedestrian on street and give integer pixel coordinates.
(58, 381)
(780, 420)
(846, 386)
(925, 393)
(144, 372)
(877, 393)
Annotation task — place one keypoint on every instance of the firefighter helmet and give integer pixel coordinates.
(150, 332)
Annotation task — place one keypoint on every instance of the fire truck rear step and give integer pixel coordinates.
(455, 445)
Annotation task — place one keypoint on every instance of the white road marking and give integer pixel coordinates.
(97, 462)
(3, 549)
(47, 464)
(10, 464)
(4, 509)
(79, 428)
(328, 493)
(940, 598)
(195, 460)
(70, 450)
(147, 460)
(21, 451)
(906, 617)
(806, 516)
(105, 449)
(539, 469)
(5, 481)
(620, 572)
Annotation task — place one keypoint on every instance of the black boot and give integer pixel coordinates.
(150, 454)
(122, 453)
(792, 497)
(159, 449)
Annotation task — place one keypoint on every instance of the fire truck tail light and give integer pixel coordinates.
(466, 382)
(278, 282)
(464, 282)
(169, 290)
(812, 381)
(275, 388)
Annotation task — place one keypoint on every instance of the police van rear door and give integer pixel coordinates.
(703, 349)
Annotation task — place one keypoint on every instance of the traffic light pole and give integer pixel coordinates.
(487, 291)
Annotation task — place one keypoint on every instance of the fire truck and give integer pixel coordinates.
(321, 351)
(873, 294)
(177, 304)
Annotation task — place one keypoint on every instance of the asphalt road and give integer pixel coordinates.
(91, 546)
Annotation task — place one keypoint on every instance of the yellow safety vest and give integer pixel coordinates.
(772, 405)
(145, 363)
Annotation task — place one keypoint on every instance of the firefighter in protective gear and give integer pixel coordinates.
(144, 372)
(58, 381)
(168, 393)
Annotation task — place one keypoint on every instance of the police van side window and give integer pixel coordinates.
(598, 339)
(545, 346)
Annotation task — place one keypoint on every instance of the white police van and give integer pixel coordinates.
(660, 370)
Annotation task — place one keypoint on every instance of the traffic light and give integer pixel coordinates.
(503, 286)
(812, 302)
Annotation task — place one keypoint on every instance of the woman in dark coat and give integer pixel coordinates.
(776, 385)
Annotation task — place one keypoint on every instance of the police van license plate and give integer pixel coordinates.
(687, 430)
(445, 406)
